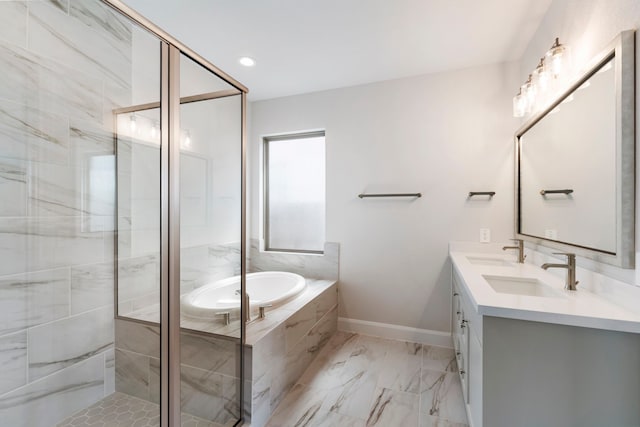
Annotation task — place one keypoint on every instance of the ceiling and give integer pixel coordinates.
(311, 45)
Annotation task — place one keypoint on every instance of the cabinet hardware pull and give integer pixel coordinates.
(455, 294)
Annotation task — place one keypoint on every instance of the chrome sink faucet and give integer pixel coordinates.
(571, 283)
(519, 247)
(247, 316)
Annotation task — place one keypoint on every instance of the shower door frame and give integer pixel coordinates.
(171, 49)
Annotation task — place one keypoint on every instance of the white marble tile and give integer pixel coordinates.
(441, 396)
(311, 266)
(154, 380)
(33, 298)
(138, 277)
(402, 367)
(211, 353)
(137, 337)
(45, 402)
(57, 345)
(333, 419)
(102, 52)
(60, 242)
(326, 301)
(326, 370)
(13, 361)
(261, 400)
(201, 394)
(29, 133)
(87, 138)
(132, 373)
(299, 325)
(394, 408)
(109, 372)
(102, 19)
(230, 398)
(322, 331)
(13, 21)
(13, 185)
(33, 82)
(300, 408)
(439, 359)
(91, 287)
(355, 394)
(427, 421)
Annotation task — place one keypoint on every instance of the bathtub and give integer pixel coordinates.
(264, 288)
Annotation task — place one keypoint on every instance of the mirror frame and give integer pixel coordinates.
(622, 50)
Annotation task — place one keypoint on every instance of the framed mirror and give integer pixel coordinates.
(575, 164)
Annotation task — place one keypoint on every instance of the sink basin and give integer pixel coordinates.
(521, 286)
(475, 260)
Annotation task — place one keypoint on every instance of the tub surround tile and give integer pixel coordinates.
(324, 266)
(322, 332)
(58, 395)
(441, 396)
(299, 324)
(31, 299)
(57, 345)
(13, 361)
(394, 408)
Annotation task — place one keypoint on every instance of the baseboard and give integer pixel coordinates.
(395, 332)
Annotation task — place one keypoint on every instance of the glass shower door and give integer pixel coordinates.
(210, 236)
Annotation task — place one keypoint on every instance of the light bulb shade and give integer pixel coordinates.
(542, 76)
(558, 59)
(519, 105)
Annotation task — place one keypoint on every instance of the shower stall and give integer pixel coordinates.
(122, 186)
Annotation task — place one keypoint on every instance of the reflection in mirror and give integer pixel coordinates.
(568, 150)
(575, 164)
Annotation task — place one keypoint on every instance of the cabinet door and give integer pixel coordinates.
(474, 375)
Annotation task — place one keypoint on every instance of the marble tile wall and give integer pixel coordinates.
(209, 369)
(277, 360)
(312, 266)
(65, 64)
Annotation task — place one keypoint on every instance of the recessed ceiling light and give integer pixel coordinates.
(247, 61)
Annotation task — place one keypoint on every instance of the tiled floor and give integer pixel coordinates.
(122, 410)
(359, 381)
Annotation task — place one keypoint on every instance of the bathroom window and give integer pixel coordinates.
(294, 192)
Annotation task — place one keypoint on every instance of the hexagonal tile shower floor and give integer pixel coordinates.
(122, 410)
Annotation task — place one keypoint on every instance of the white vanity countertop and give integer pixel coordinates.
(574, 308)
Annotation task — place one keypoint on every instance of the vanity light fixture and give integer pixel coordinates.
(534, 93)
(247, 61)
(519, 104)
(133, 123)
(557, 58)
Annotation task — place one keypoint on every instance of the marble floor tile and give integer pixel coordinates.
(300, 407)
(441, 396)
(403, 363)
(426, 421)
(360, 381)
(394, 408)
(439, 359)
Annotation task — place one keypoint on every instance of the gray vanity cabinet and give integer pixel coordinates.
(531, 374)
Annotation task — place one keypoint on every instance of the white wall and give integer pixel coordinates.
(441, 134)
(588, 26)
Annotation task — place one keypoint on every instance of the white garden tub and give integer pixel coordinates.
(264, 288)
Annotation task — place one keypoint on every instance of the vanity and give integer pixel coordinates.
(533, 354)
